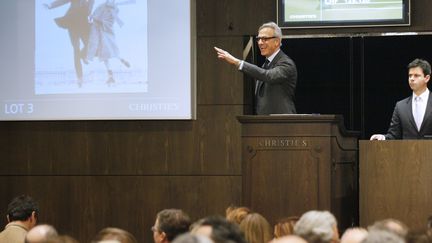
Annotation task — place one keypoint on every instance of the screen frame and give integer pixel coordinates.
(20, 49)
(405, 21)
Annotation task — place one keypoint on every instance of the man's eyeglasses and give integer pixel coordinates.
(263, 38)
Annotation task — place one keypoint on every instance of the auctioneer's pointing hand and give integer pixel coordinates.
(226, 56)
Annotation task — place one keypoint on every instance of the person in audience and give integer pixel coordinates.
(285, 226)
(169, 224)
(110, 233)
(423, 236)
(382, 236)
(219, 230)
(40, 233)
(317, 227)
(289, 239)
(21, 215)
(256, 228)
(354, 235)
(392, 225)
(192, 238)
(411, 117)
(237, 214)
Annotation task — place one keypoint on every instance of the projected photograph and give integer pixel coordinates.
(90, 46)
(342, 10)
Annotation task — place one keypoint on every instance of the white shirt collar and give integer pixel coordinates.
(424, 96)
(272, 56)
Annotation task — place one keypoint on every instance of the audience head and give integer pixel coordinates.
(354, 235)
(219, 230)
(236, 214)
(115, 234)
(289, 239)
(285, 226)
(40, 233)
(317, 227)
(256, 228)
(169, 224)
(380, 236)
(24, 209)
(392, 225)
(423, 236)
(192, 238)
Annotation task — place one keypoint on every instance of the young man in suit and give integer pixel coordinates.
(412, 116)
(276, 80)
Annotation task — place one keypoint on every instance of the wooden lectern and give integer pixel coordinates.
(296, 163)
(396, 181)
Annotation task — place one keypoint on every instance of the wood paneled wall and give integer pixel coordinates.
(87, 175)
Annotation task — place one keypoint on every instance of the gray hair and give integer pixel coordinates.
(316, 226)
(379, 236)
(391, 225)
(190, 238)
(274, 26)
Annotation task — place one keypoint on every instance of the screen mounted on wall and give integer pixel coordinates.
(342, 13)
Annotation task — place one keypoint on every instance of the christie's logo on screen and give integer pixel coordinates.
(153, 107)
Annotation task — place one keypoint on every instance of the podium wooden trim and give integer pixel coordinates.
(295, 163)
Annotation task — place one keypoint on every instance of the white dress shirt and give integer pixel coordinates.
(419, 104)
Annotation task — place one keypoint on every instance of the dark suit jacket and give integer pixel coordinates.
(276, 94)
(402, 124)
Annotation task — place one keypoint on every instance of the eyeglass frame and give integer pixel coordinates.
(264, 38)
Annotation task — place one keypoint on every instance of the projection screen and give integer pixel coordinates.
(97, 59)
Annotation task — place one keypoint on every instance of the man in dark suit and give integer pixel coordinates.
(276, 80)
(412, 116)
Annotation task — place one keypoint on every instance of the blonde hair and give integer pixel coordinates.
(237, 214)
(256, 228)
(285, 226)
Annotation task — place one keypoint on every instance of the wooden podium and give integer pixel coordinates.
(396, 181)
(296, 163)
